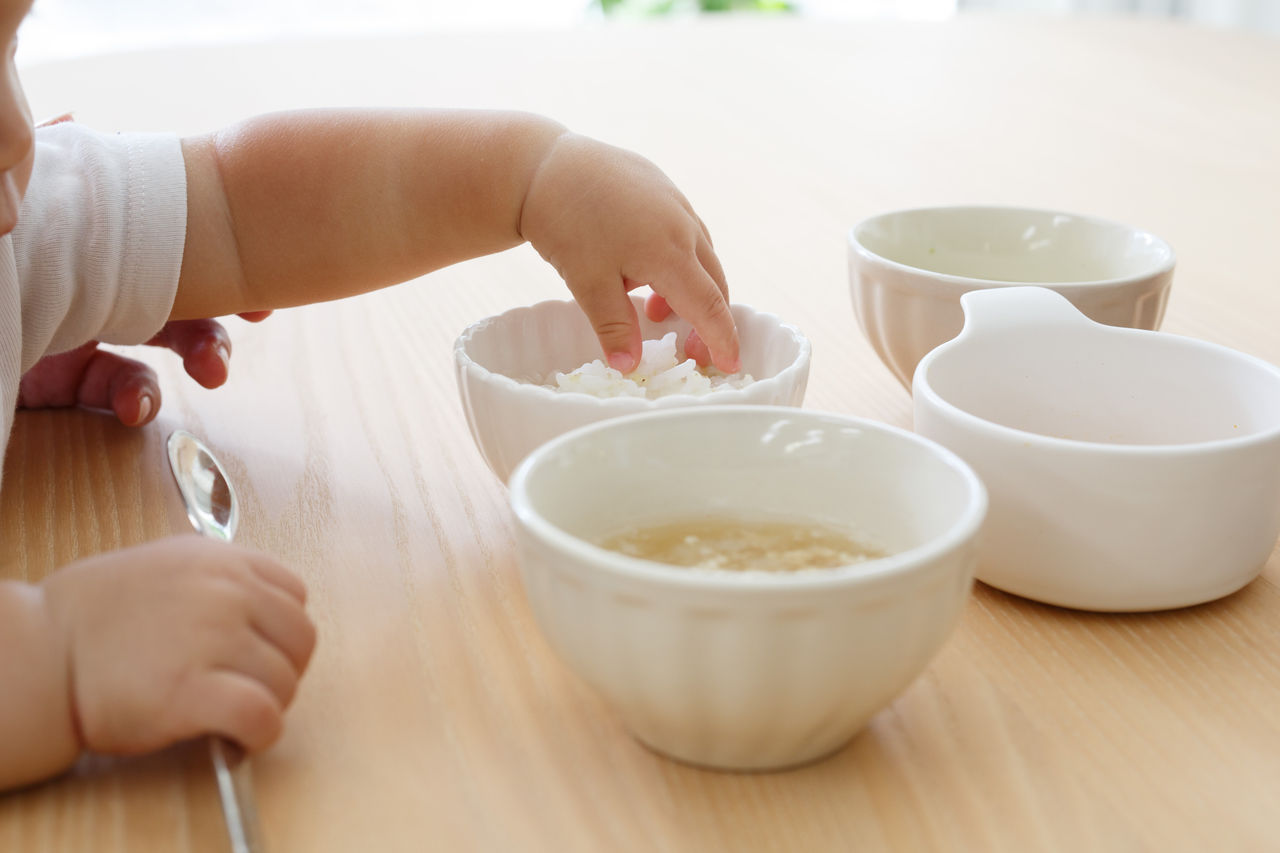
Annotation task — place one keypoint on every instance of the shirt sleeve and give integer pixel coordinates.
(98, 246)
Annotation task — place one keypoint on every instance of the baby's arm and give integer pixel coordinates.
(134, 650)
(295, 208)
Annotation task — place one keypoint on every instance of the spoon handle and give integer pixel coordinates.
(232, 770)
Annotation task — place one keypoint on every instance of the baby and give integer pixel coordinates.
(119, 238)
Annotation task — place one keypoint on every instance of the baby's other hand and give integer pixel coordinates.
(93, 378)
(178, 638)
(609, 221)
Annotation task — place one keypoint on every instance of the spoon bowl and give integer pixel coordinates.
(210, 500)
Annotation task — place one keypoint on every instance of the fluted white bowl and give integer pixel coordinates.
(909, 268)
(501, 360)
(753, 670)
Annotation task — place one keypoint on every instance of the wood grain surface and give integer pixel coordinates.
(434, 716)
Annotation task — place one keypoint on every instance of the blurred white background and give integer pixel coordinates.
(67, 28)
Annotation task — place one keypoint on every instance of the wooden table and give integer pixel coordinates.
(434, 717)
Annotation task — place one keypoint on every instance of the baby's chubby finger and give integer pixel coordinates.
(656, 308)
(136, 403)
(277, 608)
(280, 619)
(266, 664)
(614, 319)
(277, 575)
(232, 704)
(126, 387)
(701, 302)
(695, 349)
(711, 263)
(204, 347)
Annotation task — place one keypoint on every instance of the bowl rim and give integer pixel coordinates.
(913, 561)
(788, 376)
(1166, 262)
(922, 391)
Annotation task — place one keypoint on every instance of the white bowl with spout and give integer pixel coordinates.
(1128, 470)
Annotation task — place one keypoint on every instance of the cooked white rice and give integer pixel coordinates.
(661, 372)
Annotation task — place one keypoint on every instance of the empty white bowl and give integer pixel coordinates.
(908, 270)
(501, 360)
(1128, 470)
(746, 670)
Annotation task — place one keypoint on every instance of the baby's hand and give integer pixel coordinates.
(179, 638)
(610, 221)
(98, 379)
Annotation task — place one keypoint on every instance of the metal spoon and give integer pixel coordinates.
(213, 512)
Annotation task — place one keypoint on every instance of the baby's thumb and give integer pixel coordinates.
(234, 705)
(613, 317)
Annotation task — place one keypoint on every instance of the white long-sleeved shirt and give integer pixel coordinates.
(97, 250)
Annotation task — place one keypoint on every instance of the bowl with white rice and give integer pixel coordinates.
(529, 374)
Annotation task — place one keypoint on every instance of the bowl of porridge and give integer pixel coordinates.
(746, 586)
(534, 372)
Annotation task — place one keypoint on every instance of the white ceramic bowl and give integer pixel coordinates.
(501, 360)
(1128, 470)
(908, 270)
(748, 670)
